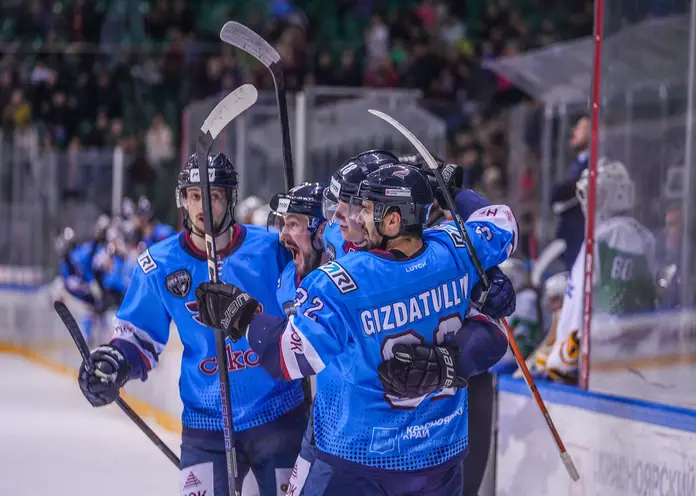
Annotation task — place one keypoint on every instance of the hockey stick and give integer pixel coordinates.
(76, 334)
(224, 112)
(430, 160)
(240, 36)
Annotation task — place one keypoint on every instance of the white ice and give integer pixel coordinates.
(53, 442)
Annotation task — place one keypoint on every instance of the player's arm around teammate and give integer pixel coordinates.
(359, 310)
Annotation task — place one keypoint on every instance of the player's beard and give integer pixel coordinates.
(308, 262)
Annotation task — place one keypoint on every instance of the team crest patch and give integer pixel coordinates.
(340, 277)
(331, 252)
(179, 283)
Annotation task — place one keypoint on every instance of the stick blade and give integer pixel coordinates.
(570, 466)
(427, 156)
(229, 108)
(240, 36)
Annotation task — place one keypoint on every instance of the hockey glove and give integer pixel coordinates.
(501, 301)
(108, 373)
(225, 306)
(418, 370)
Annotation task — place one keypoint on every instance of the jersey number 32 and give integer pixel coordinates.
(445, 329)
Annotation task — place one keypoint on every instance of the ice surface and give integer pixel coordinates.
(53, 442)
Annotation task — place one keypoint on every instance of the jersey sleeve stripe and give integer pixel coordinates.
(148, 349)
(298, 356)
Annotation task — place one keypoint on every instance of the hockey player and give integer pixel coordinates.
(406, 372)
(554, 291)
(409, 288)
(151, 232)
(298, 217)
(623, 272)
(269, 415)
(526, 321)
(86, 270)
(344, 235)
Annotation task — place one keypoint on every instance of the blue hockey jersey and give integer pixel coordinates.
(77, 270)
(334, 244)
(350, 315)
(160, 232)
(162, 290)
(287, 285)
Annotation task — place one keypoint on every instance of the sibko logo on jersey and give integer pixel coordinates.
(236, 360)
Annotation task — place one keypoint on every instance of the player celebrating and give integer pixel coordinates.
(269, 415)
(409, 288)
(623, 273)
(343, 234)
(298, 217)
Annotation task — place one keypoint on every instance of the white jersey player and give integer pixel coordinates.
(554, 291)
(623, 272)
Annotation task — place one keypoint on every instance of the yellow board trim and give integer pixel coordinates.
(141, 407)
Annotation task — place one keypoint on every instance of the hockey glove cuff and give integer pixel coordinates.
(501, 300)
(418, 370)
(108, 372)
(226, 307)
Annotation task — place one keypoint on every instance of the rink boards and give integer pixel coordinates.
(619, 446)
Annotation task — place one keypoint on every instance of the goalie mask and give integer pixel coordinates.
(615, 188)
(221, 174)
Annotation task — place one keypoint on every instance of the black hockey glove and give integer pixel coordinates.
(417, 370)
(225, 306)
(501, 301)
(108, 372)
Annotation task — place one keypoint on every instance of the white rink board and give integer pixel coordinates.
(620, 447)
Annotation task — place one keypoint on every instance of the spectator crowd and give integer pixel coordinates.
(97, 74)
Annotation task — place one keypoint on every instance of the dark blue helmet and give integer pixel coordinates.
(345, 181)
(305, 199)
(221, 174)
(396, 186)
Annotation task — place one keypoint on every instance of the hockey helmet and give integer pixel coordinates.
(305, 199)
(345, 181)
(221, 174)
(395, 186)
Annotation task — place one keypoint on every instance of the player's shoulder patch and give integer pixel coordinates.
(330, 251)
(452, 232)
(146, 262)
(339, 276)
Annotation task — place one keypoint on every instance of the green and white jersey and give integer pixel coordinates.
(623, 282)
